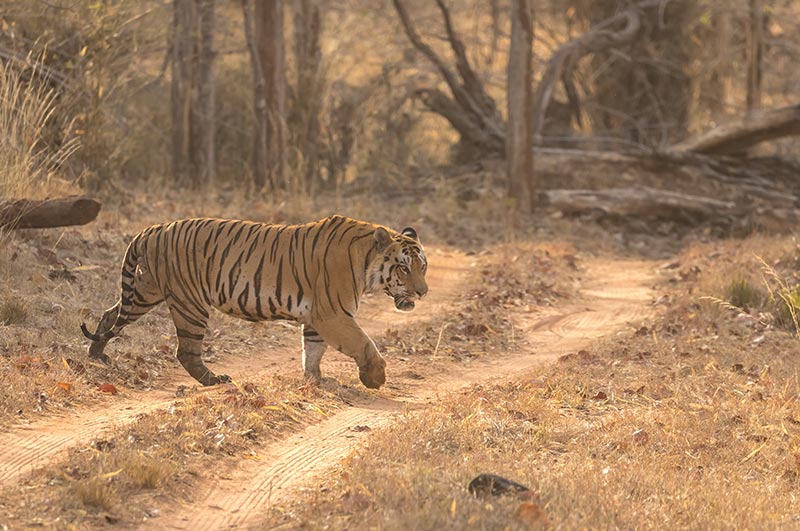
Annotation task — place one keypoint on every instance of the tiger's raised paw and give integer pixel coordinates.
(373, 375)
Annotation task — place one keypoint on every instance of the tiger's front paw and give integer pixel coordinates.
(373, 375)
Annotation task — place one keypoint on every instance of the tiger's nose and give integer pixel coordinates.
(422, 291)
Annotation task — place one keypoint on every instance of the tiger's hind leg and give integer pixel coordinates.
(313, 349)
(146, 296)
(106, 323)
(190, 325)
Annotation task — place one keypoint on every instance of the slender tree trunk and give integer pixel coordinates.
(519, 138)
(308, 93)
(269, 43)
(203, 160)
(259, 157)
(192, 92)
(755, 46)
(181, 96)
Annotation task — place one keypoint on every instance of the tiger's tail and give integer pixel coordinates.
(129, 264)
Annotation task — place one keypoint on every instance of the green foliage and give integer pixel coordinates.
(743, 294)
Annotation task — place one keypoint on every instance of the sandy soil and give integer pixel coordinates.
(615, 292)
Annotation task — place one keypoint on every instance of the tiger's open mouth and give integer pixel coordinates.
(403, 304)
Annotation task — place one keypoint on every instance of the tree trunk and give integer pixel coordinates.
(269, 44)
(308, 91)
(755, 46)
(203, 160)
(32, 214)
(260, 124)
(182, 81)
(192, 93)
(519, 138)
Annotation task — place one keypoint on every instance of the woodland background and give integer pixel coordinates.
(306, 97)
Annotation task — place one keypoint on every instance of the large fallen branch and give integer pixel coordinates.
(641, 202)
(33, 214)
(737, 136)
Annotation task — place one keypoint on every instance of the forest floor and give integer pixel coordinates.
(528, 359)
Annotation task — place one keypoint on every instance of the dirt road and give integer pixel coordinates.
(615, 292)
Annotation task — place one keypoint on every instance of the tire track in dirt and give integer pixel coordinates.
(615, 293)
(27, 447)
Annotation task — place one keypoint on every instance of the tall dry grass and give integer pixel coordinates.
(27, 166)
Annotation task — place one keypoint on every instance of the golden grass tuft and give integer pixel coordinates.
(13, 311)
(26, 107)
(145, 471)
(95, 492)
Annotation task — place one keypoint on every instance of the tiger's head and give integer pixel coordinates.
(400, 269)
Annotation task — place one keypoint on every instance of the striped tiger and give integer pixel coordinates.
(314, 274)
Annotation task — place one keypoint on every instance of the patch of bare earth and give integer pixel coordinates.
(144, 456)
(690, 421)
(98, 445)
(259, 492)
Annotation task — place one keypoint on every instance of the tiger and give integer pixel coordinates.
(314, 274)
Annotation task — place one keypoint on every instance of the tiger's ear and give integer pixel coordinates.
(382, 238)
(411, 233)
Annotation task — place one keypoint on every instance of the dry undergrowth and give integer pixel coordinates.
(512, 277)
(692, 422)
(141, 462)
(115, 477)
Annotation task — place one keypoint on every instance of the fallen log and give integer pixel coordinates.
(640, 202)
(735, 137)
(40, 214)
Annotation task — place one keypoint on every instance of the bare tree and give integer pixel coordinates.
(307, 100)
(264, 33)
(519, 138)
(470, 110)
(192, 92)
(755, 46)
(182, 75)
(203, 159)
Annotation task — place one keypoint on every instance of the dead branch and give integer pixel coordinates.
(62, 212)
(737, 136)
(564, 60)
(468, 91)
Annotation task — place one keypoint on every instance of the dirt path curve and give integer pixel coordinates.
(615, 293)
(26, 447)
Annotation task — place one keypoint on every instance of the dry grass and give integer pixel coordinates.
(645, 431)
(164, 452)
(13, 311)
(26, 164)
(512, 277)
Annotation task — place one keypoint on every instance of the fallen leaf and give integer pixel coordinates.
(67, 387)
(108, 388)
(600, 396)
(531, 514)
(73, 365)
(640, 436)
(24, 361)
